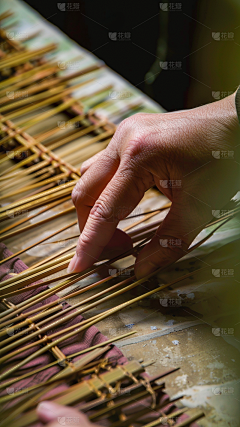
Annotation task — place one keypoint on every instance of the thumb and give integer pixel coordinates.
(172, 238)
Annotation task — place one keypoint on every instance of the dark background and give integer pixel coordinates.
(183, 35)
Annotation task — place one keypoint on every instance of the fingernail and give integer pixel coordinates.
(47, 409)
(72, 264)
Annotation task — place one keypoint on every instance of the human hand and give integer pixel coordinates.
(182, 154)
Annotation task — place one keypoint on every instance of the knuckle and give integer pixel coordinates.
(101, 211)
(134, 146)
(85, 240)
(78, 193)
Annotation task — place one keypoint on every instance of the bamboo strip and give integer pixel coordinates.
(148, 216)
(29, 170)
(28, 321)
(21, 221)
(21, 77)
(52, 257)
(47, 193)
(30, 99)
(31, 89)
(164, 418)
(39, 242)
(101, 317)
(29, 374)
(45, 103)
(54, 381)
(53, 145)
(43, 182)
(84, 390)
(22, 57)
(5, 15)
(43, 221)
(64, 319)
(44, 136)
(35, 177)
(68, 371)
(69, 294)
(39, 324)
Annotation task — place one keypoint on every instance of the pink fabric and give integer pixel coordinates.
(75, 344)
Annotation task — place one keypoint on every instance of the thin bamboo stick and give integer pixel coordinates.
(56, 380)
(52, 257)
(86, 350)
(28, 86)
(43, 182)
(31, 99)
(34, 215)
(44, 103)
(39, 324)
(69, 294)
(21, 57)
(98, 318)
(5, 15)
(37, 224)
(53, 145)
(72, 369)
(85, 390)
(21, 77)
(43, 330)
(28, 321)
(39, 242)
(29, 170)
(46, 135)
(164, 418)
(34, 177)
(45, 193)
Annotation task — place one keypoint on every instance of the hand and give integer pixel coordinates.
(182, 153)
(58, 415)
